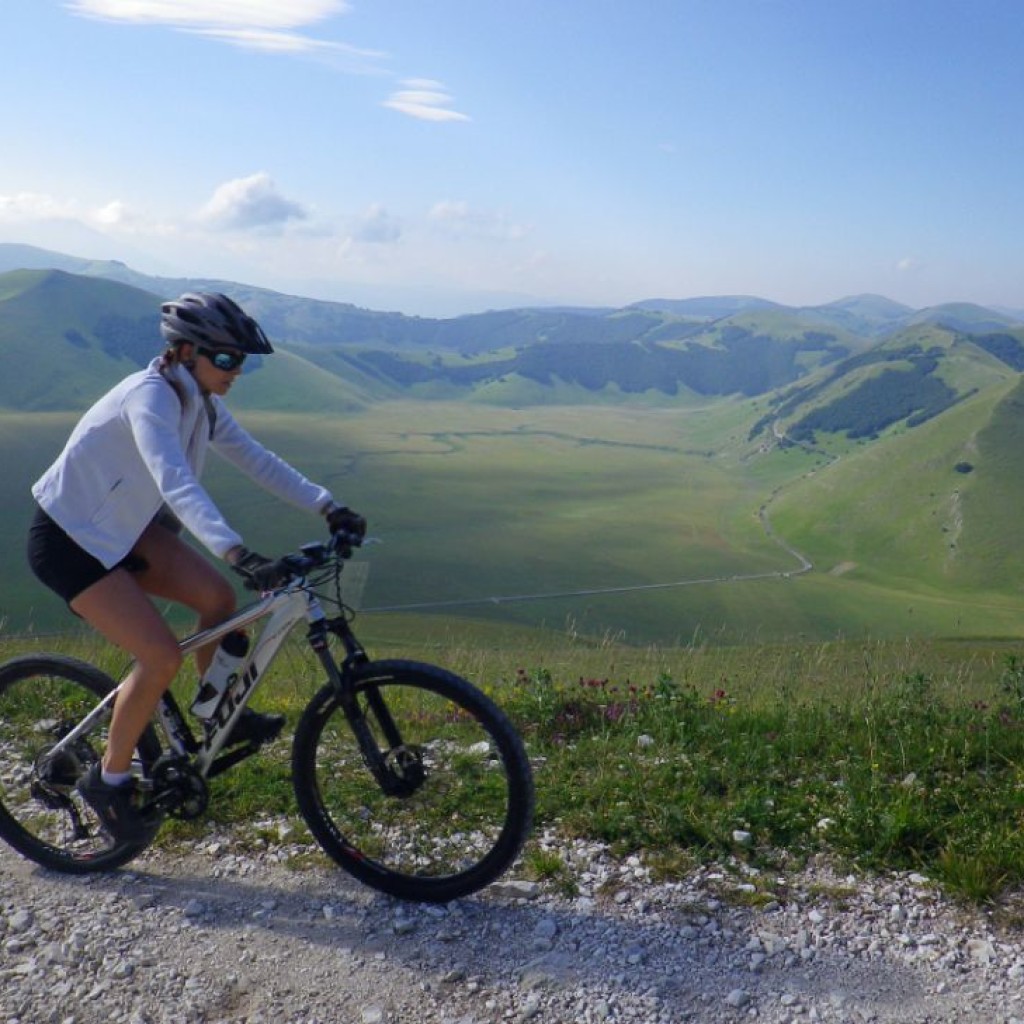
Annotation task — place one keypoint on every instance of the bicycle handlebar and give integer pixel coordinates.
(314, 555)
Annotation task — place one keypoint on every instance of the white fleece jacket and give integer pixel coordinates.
(138, 447)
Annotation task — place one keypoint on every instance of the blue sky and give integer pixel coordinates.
(445, 156)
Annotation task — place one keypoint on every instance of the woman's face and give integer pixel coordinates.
(209, 377)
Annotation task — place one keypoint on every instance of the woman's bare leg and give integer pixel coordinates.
(177, 572)
(117, 607)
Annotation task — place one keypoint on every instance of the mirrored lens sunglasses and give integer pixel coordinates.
(223, 358)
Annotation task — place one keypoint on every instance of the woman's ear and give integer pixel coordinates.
(187, 354)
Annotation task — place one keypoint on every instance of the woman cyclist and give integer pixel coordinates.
(105, 535)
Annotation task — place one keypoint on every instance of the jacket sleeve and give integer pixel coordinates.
(271, 472)
(154, 414)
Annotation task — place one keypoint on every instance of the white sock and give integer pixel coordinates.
(115, 778)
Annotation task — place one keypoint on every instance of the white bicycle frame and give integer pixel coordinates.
(284, 609)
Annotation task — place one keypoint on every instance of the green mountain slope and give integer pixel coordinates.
(935, 508)
(72, 337)
(986, 552)
(310, 321)
(68, 337)
(903, 381)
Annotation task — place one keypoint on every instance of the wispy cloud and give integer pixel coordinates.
(276, 27)
(376, 226)
(426, 100)
(459, 220)
(29, 207)
(250, 203)
(267, 25)
(269, 14)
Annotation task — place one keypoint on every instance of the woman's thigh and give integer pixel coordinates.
(178, 572)
(119, 609)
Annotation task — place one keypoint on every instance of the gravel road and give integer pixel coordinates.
(233, 931)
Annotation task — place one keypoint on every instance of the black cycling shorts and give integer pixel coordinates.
(64, 566)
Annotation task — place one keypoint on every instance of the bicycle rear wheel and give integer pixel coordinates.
(460, 804)
(42, 698)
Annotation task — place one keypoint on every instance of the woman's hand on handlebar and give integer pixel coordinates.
(261, 573)
(341, 519)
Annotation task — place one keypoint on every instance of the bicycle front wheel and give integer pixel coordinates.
(450, 802)
(42, 698)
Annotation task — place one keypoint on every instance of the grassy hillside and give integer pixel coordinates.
(905, 381)
(536, 501)
(633, 524)
(934, 507)
(294, 382)
(987, 552)
(68, 337)
(626, 352)
(72, 337)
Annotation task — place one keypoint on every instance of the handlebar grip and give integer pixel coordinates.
(343, 542)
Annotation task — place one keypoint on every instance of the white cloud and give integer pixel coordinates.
(35, 207)
(425, 100)
(249, 203)
(276, 27)
(458, 219)
(29, 206)
(269, 14)
(113, 214)
(377, 226)
(908, 265)
(267, 25)
(289, 43)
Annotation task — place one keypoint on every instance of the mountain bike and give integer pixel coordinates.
(408, 777)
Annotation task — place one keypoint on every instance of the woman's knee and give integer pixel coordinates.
(160, 662)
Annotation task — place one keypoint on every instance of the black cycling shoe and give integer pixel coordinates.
(252, 727)
(117, 808)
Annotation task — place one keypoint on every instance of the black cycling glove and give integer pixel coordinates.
(341, 519)
(262, 573)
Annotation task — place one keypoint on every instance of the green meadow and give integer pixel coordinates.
(657, 526)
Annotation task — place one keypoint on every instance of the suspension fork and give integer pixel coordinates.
(392, 767)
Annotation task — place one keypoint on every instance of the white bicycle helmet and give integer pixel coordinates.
(212, 320)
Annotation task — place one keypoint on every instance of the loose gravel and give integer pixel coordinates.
(264, 932)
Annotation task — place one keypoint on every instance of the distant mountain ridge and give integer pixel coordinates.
(858, 365)
(310, 320)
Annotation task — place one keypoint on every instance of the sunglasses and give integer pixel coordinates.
(223, 358)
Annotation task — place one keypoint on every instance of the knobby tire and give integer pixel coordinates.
(468, 809)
